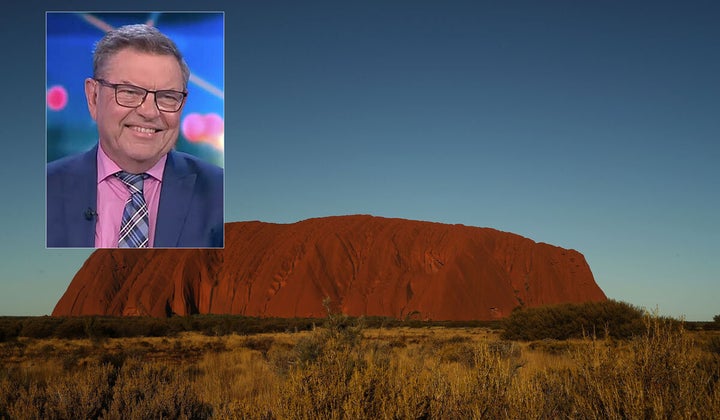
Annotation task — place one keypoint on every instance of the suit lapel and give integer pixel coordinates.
(81, 186)
(178, 185)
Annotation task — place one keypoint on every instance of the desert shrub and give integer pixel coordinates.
(72, 358)
(504, 349)
(9, 328)
(7, 391)
(82, 394)
(115, 359)
(12, 348)
(216, 346)
(338, 333)
(660, 375)
(308, 349)
(23, 402)
(337, 374)
(98, 327)
(318, 381)
(398, 342)
(71, 328)
(221, 326)
(39, 327)
(560, 322)
(150, 390)
(150, 327)
(282, 357)
(549, 346)
(455, 339)
(463, 353)
(713, 344)
(369, 388)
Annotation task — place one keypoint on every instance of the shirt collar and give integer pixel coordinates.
(107, 167)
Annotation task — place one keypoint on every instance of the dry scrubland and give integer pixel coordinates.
(345, 370)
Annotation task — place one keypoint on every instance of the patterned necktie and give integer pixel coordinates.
(134, 227)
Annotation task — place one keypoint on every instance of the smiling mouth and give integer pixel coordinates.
(144, 130)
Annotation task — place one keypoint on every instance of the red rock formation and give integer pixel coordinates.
(366, 265)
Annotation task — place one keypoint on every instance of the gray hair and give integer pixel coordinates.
(140, 37)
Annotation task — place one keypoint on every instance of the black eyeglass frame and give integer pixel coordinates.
(115, 86)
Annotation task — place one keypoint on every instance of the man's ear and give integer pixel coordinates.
(91, 94)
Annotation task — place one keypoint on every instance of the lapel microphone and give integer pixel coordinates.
(90, 214)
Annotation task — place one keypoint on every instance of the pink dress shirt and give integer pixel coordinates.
(112, 195)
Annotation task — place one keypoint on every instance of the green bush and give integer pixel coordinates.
(561, 322)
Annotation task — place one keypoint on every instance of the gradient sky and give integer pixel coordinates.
(587, 125)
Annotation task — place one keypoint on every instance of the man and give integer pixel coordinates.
(132, 189)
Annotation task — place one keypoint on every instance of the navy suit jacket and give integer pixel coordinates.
(190, 212)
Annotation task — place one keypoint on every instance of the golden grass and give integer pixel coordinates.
(346, 372)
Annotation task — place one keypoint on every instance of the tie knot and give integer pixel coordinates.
(134, 182)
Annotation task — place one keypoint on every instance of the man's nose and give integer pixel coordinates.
(148, 108)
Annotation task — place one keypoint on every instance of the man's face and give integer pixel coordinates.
(135, 138)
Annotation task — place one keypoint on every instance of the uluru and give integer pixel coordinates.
(365, 265)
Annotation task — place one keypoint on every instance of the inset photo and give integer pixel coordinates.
(135, 129)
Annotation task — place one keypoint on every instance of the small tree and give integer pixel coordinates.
(716, 319)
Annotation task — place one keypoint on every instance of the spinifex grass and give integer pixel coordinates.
(345, 371)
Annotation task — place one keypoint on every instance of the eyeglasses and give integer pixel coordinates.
(131, 96)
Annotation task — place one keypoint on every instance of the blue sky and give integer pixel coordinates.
(587, 125)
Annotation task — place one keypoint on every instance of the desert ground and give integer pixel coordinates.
(343, 369)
